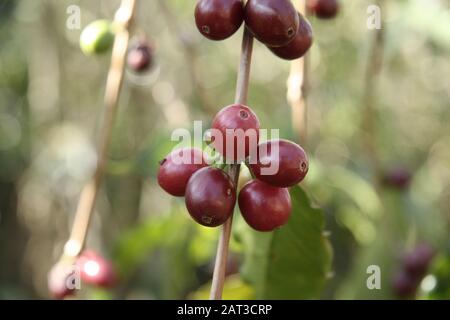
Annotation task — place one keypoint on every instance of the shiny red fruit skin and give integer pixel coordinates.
(210, 197)
(96, 270)
(263, 206)
(57, 281)
(291, 160)
(219, 19)
(300, 45)
(235, 117)
(274, 23)
(323, 9)
(173, 176)
(140, 58)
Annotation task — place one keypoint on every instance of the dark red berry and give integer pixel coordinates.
(210, 197)
(404, 285)
(323, 9)
(417, 261)
(219, 19)
(96, 270)
(398, 178)
(140, 57)
(300, 45)
(60, 284)
(274, 23)
(235, 132)
(263, 206)
(280, 163)
(177, 168)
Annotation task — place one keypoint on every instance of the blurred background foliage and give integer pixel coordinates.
(50, 110)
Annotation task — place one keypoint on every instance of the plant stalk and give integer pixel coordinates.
(123, 20)
(297, 85)
(234, 169)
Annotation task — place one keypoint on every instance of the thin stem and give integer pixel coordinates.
(374, 66)
(86, 203)
(297, 91)
(190, 53)
(224, 240)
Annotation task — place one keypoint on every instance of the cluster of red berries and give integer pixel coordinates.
(89, 268)
(210, 193)
(413, 269)
(275, 23)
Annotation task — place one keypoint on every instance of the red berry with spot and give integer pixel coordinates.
(280, 163)
(140, 57)
(274, 23)
(300, 45)
(235, 132)
(61, 280)
(176, 169)
(219, 19)
(263, 206)
(323, 9)
(210, 197)
(96, 270)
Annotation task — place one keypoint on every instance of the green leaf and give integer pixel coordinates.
(292, 262)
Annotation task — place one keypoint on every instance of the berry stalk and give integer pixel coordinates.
(297, 86)
(86, 203)
(224, 240)
(373, 70)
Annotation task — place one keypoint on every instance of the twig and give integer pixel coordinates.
(374, 66)
(190, 54)
(297, 91)
(86, 203)
(224, 240)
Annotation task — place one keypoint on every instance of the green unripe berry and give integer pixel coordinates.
(97, 37)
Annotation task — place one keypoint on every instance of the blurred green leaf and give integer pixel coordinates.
(138, 244)
(292, 262)
(234, 289)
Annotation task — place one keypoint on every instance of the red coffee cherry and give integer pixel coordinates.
(219, 19)
(238, 127)
(417, 261)
(210, 197)
(177, 168)
(280, 163)
(300, 45)
(263, 206)
(140, 57)
(274, 23)
(323, 9)
(404, 285)
(96, 270)
(60, 285)
(397, 178)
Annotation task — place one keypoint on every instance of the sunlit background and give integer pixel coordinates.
(51, 108)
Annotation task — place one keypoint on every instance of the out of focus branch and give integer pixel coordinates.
(190, 54)
(86, 203)
(297, 85)
(374, 66)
